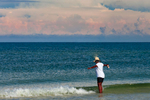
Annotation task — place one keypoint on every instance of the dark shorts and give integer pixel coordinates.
(99, 79)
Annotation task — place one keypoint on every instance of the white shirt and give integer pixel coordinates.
(99, 70)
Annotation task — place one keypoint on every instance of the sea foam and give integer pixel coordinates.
(37, 92)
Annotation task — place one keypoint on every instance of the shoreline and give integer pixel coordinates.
(121, 88)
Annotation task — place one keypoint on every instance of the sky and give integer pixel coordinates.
(74, 21)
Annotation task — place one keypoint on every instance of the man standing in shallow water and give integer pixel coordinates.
(99, 71)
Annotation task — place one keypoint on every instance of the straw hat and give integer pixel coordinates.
(96, 59)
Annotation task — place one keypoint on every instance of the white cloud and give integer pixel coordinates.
(72, 17)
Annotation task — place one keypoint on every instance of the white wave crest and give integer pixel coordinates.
(37, 92)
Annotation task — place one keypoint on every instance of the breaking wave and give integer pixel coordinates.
(38, 92)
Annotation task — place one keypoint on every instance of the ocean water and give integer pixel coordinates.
(54, 71)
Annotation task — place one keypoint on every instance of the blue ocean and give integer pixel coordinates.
(58, 71)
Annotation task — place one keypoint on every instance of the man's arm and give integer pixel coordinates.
(106, 65)
(92, 67)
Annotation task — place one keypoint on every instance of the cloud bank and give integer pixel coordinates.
(74, 17)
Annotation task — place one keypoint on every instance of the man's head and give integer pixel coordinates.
(96, 60)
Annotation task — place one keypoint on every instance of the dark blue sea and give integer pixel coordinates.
(54, 71)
